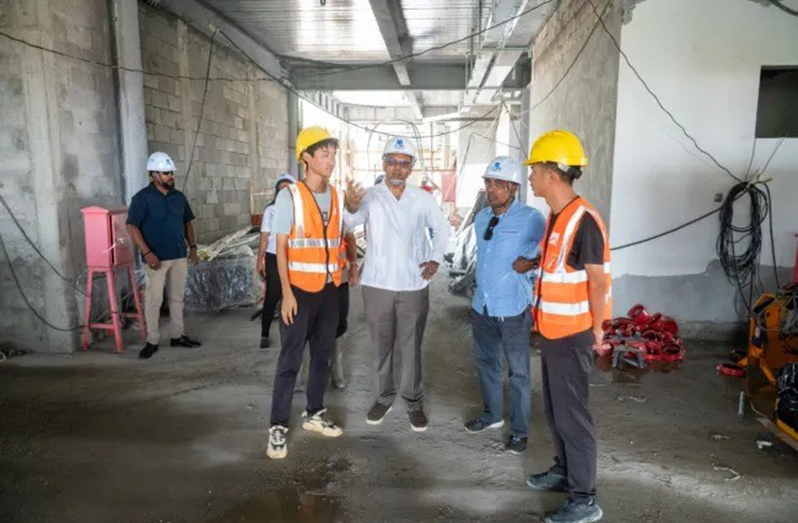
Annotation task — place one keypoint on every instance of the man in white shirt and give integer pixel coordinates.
(400, 260)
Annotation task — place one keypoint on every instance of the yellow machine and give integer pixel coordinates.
(773, 343)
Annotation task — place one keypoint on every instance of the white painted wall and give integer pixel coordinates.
(472, 160)
(703, 58)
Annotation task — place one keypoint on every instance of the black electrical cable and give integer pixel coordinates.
(656, 98)
(666, 233)
(35, 248)
(25, 297)
(338, 68)
(789, 10)
(128, 69)
(270, 78)
(772, 237)
(739, 246)
(358, 126)
(202, 108)
(573, 63)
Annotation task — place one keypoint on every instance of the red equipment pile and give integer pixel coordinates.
(654, 335)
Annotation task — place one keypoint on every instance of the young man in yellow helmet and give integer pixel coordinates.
(308, 222)
(572, 299)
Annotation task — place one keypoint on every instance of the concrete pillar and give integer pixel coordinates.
(130, 97)
(293, 129)
(189, 129)
(525, 144)
(57, 303)
(254, 157)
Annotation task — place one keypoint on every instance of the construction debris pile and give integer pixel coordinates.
(643, 337)
(462, 261)
(226, 276)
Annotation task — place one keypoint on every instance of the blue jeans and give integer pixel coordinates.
(491, 336)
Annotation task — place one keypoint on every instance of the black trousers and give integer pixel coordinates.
(273, 295)
(343, 310)
(316, 321)
(566, 365)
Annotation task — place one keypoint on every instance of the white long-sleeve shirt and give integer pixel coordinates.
(397, 240)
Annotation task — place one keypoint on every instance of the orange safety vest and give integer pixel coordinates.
(562, 307)
(313, 251)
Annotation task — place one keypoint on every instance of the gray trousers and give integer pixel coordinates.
(566, 365)
(397, 321)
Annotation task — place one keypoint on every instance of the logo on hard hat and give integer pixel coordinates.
(497, 166)
(400, 144)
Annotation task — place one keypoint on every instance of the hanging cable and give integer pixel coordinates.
(202, 108)
(656, 98)
(358, 126)
(128, 69)
(788, 10)
(35, 248)
(270, 78)
(25, 297)
(738, 246)
(349, 68)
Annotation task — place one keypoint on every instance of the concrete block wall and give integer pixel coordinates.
(241, 146)
(58, 153)
(585, 101)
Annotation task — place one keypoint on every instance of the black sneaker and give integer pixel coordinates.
(148, 350)
(184, 341)
(377, 413)
(515, 445)
(418, 421)
(554, 480)
(264, 342)
(576, 511)
(480, 424)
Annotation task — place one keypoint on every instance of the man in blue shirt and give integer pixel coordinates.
(159, 222)
(508, 233)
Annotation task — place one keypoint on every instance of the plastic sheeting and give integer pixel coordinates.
(222, 283)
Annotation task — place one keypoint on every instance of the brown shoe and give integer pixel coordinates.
(418, 421)
(377, 413)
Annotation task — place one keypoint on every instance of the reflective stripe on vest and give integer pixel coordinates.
(305, 243)
(318, 268)
(313, 247)
(563, 306)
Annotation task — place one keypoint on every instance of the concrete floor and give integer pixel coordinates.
(99, 437)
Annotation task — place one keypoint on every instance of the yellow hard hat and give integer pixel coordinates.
(308, 137)
(559, 147)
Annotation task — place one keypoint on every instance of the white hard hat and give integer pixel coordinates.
(505, 168)
(397, 145)
(160, 162)
(286, 178)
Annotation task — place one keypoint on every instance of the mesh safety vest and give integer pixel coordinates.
(562, 307)
(313, 250)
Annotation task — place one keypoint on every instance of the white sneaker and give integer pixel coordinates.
(320, 423)
(278, 447)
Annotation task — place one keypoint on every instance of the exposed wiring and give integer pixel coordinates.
(344, 68)
(573, 62)
(515, 129)
(789, 10)
(129, 69)
(344, 120)
(202, 108)
(25, 297)
(656, 98)
(738, 246)
(35, 248)
(666, 233)
(270, 77)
